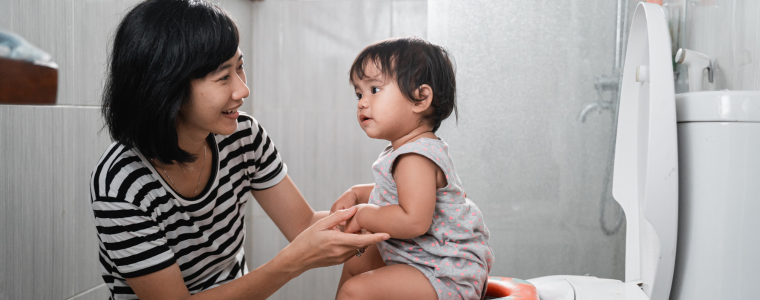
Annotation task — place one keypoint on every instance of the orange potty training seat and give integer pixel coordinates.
(505, 288)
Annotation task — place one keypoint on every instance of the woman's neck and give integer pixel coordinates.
(191, 141)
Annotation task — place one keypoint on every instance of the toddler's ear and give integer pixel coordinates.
(424, 97)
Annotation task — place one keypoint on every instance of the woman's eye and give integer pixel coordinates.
(375, 90)
(241, 67)
(224, 78)
(358, 96)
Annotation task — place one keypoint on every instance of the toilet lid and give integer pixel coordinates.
(645, 178)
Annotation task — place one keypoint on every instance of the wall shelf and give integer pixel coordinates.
(23, 82)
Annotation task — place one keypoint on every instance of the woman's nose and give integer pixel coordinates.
(241, 89)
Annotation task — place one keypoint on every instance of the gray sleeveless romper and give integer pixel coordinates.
(454, 253)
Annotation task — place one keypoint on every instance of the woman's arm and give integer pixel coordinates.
(257, 284)
(415, 177)
(286, 206)
(317, 246)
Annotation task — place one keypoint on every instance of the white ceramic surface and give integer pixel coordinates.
(718, 106)
(718, 244)
(569, 287)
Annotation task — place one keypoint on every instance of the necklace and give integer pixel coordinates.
(199, 175)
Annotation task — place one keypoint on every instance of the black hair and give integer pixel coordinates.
(412, 62)
(159, 47)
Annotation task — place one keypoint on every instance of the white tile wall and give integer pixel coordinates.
(409, 18)
(49, 242)
(301, 95)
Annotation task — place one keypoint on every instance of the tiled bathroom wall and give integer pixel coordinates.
(48, 246)
(301, 96)
(525, 69)
(728, 31)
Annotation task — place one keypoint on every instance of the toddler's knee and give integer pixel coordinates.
(355, 266)
(351, 290)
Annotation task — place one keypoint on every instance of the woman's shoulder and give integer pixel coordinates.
(119, 165)
(117, 153)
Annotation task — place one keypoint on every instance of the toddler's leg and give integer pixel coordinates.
(369, 261)
(397, 282)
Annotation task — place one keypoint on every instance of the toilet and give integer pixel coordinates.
(687, 175)
(645, 176)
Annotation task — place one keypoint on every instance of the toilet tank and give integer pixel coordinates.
(718, 249)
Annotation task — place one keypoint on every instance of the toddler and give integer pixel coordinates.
(439, 244)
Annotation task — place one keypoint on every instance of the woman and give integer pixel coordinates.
(169, 195)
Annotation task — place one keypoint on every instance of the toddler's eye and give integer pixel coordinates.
(375, 90)
(358, 96)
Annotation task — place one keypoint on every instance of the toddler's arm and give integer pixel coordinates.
(415, 177)
(357, 194)
(362, 192)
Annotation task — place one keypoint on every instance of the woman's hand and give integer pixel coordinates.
(322, 245)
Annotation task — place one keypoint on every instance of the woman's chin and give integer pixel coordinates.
(226, 130)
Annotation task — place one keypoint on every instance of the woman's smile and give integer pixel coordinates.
(232, 113)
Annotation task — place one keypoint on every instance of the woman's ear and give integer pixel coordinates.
(425, 94)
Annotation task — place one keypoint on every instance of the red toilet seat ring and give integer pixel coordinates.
(506, 288)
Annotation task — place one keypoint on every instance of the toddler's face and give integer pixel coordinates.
(382, 111)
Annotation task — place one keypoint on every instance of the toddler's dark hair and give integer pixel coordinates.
(412, 62)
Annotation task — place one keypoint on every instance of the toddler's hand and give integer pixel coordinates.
(345, 201)
(352, 226)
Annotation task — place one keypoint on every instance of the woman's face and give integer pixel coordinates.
(215, 99)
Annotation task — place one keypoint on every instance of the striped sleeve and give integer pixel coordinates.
(265, 166)
(132, 240)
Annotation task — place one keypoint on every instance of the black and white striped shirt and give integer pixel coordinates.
(144, 226)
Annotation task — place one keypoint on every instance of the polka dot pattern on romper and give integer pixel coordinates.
(454, 255)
